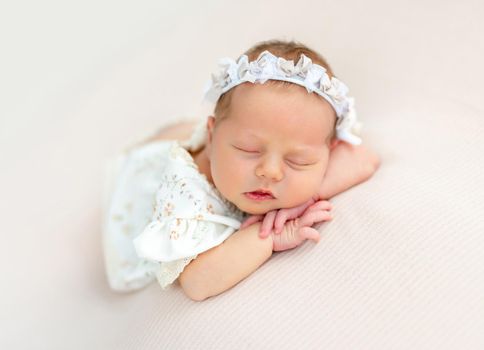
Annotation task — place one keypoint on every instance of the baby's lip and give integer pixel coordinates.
(264, 191)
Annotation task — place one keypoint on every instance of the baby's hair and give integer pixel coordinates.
(290, 50)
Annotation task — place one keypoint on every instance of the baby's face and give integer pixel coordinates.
(275, 139)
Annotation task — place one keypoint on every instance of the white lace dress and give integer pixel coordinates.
(160, 212)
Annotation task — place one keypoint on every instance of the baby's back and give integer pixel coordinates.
(181, 131)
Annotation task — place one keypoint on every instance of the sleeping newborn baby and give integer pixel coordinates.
(281, 141)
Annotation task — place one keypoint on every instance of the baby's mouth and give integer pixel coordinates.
(258, 195)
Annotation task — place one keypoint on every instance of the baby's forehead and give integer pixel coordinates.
(271, 108)
(272, 97)
(262, 136)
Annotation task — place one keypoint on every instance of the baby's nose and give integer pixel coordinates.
(270, 169)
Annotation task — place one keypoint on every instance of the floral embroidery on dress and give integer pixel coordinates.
(164, 196)
(127, 229)
(129, 207)
(168, 209)
(174, 235)
(210, 208)
(186, 156)
(117, 217)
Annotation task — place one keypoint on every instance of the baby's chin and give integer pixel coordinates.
(261, 209)
(255, 212)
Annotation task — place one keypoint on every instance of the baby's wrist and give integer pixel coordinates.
(256, 227)
(269, 240)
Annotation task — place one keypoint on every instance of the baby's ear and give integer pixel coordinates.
(334, 142)
(210, 125)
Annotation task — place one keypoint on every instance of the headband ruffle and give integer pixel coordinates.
(311, 76)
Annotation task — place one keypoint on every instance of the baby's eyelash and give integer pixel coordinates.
(243, 150)
(299, 164)
(296, 164)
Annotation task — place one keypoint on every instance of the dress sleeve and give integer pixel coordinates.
(186, 222)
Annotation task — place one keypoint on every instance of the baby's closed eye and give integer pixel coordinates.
(293, 162)
(245, 150)
(301, 163)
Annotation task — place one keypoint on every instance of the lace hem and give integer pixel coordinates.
(168, 272)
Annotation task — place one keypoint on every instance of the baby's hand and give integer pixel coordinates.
(275, 219)
(298, 230)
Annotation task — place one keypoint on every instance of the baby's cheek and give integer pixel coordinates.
(226, 162)
(238, 172)
(304, 185)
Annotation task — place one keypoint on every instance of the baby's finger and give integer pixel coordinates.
(267, 224)
(249, 221)
(281, 219)
(309, 233)
(309, 219)
(284, 214)
(321, 205)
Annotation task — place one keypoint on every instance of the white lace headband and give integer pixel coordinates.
(312, 76)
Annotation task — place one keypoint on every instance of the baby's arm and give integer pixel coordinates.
(348, 166)
(225, 265)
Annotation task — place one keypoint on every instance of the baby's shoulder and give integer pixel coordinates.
(184, 186)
